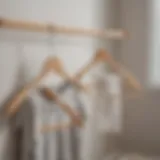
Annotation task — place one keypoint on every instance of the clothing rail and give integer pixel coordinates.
(52, 28)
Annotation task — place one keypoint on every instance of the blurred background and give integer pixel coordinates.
(22, 53)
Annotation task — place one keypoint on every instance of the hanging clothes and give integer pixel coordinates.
(74, 143)
(60, 145)
(70, 138)
(105, 114)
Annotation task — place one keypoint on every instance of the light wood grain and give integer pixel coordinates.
(56, 127)
(53, 28)
(59, 69)
(52, 64)
(123, 71)
(98, 58)
(15, 103)
(50, 94)
(103, 56)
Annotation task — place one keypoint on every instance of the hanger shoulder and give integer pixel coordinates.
(56, 66)
(99, 57)
(122, 70)
(49, 94)
(15, 103)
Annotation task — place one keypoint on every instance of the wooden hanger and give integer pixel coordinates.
(104, 56)
(95, 60)
(50, 95)
(58, 68)
(56, 127)
(52, 64)
(75, 118)
(100, 56)
(122, 70)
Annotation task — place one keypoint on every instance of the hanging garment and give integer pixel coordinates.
(54, 145)
(66, 140)
(71, 137)
(109, 102)
(105, 114)
(44, 146)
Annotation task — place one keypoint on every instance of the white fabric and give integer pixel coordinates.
(38, 122)
(104, 113)
(109, 105)
(46, 113)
